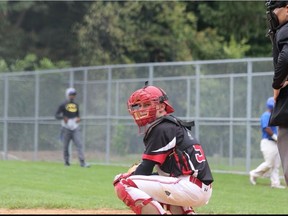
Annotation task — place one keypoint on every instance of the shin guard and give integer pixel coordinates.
(180, 210)
(138, 201)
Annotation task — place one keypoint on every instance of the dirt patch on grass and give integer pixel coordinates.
(64, 211)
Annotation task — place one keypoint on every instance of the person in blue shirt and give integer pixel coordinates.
(268, 145)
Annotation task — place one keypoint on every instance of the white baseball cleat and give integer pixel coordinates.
(278, 186)
(252, 179)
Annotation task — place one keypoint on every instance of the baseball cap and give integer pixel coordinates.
(70, 91)
(270, 103)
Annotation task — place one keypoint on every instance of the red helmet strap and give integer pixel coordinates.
(164, 97)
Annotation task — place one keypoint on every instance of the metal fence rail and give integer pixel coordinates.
(225, 98)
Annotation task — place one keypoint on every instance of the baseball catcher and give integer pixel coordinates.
(183, 179)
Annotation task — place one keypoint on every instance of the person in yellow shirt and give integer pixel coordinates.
(68, 113)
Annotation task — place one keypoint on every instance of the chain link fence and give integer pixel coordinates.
(225, 98)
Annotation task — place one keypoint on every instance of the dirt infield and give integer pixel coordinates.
(64, 211)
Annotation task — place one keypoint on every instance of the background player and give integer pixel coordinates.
(68, 113)
(183, 178)
(268, 146)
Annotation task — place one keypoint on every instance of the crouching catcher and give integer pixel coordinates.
(174, 174)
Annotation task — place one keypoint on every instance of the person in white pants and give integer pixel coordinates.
(268, 145)
(69, 114)
(182, 178)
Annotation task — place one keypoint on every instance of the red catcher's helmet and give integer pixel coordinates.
(151, 95)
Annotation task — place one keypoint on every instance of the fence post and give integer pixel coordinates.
(248, 115)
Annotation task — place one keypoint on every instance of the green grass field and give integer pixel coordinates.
(49, 185)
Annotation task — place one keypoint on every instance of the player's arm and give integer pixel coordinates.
(59, 113)
(281, 73)
(145, 167)
(270, 133)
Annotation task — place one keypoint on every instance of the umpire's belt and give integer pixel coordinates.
(197, 182)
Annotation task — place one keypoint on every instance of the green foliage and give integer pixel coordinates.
(52, 185)
(46, 63)
(32, 63)
(127, 32)
(3, 66)
(40, 27)
(236, 49)
(207, 44)
(28, 63)
(92, 33)
(242, 20)
(14, 40)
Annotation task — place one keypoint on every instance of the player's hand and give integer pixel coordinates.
(120, 176)
(65, 119)
(285, 84)
(275, 93)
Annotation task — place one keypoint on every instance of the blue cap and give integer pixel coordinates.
(270, 103)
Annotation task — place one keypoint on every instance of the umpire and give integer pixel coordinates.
(277, 17)
(68, 113)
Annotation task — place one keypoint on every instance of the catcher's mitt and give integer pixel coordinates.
(133, 167)
(129, 172)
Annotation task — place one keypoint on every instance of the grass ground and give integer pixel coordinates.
(47, 185)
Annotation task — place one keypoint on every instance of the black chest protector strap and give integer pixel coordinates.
(173, 119)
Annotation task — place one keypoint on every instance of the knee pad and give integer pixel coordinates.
(122, 193)
(140, 204)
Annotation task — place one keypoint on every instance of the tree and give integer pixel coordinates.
(239, 21)
(136, 32)
(86, 33)
(31, 63)
(44, 28)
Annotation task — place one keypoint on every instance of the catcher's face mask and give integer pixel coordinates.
(272, 20)
(144, 103)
